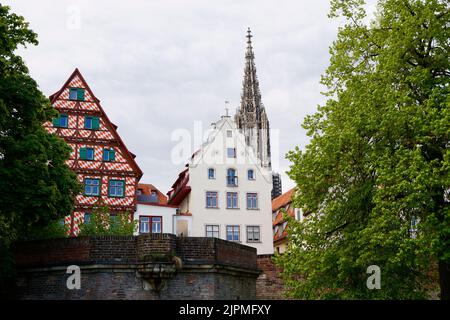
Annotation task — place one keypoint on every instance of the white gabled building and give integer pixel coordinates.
(225, 190)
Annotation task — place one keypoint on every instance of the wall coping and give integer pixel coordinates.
(133, 250)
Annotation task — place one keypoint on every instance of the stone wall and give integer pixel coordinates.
(269, 285)
(136, 267)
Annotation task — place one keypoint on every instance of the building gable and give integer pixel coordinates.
(99, 157)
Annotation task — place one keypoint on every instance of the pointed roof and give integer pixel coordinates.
(251, 95)
(76, 74)
(282, 200)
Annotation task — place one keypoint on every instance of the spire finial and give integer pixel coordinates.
(249, 53)
(226, 108)
(249, 36)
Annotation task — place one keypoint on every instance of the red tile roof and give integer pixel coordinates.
(282, 200)
(147, 189)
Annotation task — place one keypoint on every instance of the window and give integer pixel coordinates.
(91, 123)
(232, 200)
(252, 201)
(113, 219)
(212, 231)
(154, 196)
(298, 214)
(73, 93)
(229, 133)
(232, 180)
(211, 173)
(251, 174)
(76, 94)
(109, 155)
(233, 233)
(253, 234)
(413, 228)
(87, 153)
(92, 187)
(116, 188)
(231, 152)
(61, 121)
(150, 224)
(87, 217)
(144, 225)
(156, 224)
(211, 199)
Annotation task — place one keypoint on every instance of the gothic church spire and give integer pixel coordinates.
(251, 117)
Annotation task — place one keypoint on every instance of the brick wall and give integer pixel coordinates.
(112, 268)
(269, 285)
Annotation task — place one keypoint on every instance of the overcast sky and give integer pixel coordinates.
(158, 66)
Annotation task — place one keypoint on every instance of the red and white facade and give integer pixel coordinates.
(280, 205)
(123, 169)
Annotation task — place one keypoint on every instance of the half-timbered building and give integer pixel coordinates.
(104, 165)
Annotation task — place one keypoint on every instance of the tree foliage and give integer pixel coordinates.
(37, 188)
(103, 223)
(378, 158)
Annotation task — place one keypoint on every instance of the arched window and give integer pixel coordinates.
(211, 173)
(251, 174)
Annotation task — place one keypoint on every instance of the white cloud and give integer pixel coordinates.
(161, 65)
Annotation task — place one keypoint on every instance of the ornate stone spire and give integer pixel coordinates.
(251, 95)
(251, 117)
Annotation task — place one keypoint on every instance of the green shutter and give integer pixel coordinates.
(80, 94)
(56, 122)
(95, 123)
(83, 153)
(112, 155)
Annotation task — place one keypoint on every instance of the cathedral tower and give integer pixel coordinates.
(251, 117)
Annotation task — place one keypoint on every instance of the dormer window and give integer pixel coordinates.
(154, 196)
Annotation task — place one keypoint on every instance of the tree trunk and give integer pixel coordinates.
(444, 279)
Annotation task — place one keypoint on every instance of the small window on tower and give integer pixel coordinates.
(229, 133)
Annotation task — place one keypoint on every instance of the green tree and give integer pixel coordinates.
(378, 159)
(37, 188)
(103, 223)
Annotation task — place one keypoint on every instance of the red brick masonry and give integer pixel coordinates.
(121, 267)
(269, 285)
